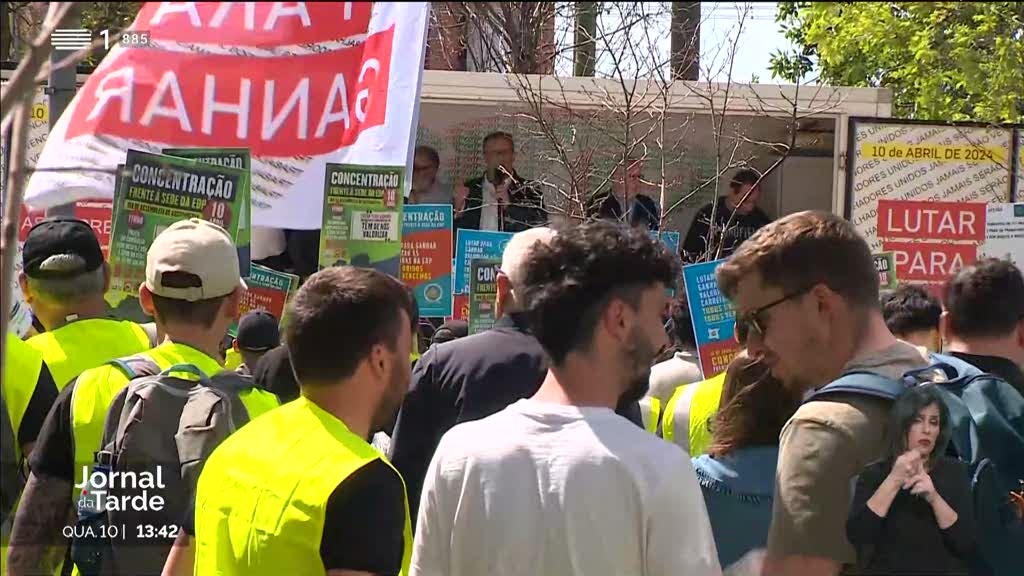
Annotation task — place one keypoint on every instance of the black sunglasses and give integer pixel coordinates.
(754, 319)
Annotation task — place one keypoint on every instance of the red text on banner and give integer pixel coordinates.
(253, 23)
(282, 106)
(931, 220)
(929, 262)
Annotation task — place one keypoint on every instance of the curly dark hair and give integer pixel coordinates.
(570, 281)
(910, 308)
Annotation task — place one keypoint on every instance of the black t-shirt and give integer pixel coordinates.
(364, 527)
(43, 397)
(54, 452)
(728, 231)
(908, 539)
(274, 373)
(1002, 367)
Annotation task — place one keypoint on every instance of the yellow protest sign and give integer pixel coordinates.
(925, 151)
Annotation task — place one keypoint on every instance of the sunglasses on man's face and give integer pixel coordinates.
(756, 321)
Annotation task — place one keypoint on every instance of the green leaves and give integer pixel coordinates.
(943, 60)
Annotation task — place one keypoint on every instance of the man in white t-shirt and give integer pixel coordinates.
(558, 484)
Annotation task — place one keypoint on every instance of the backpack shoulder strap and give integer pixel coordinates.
(962, 367)
(231, 381)
(136, 366)
(865, 383)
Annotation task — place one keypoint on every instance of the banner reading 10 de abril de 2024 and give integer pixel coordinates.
(299, 84)
(937, 196)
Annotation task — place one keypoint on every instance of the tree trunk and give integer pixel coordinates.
(446, 39)
(6, 32)
(586, 29)
(685, 37)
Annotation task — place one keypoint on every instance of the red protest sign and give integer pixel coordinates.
(97, 213)
(964, 221)
(460, 307)
(253, 23)
(929, 262)
(285, 106)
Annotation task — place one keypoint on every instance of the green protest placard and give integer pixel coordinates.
(269, 290)
(483, 294)
(238, 158)
(362, 220)
(885, 264)
(155, 191)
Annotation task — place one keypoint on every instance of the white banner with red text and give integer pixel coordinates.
(298, 84)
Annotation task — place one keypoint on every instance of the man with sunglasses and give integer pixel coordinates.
(805, 292)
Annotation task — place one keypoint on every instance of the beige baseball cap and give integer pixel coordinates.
(200, 248)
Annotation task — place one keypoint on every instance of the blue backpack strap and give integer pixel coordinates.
(136, 366)
(863, 382)
(962, 367)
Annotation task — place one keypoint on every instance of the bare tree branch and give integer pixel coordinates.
(23, 79)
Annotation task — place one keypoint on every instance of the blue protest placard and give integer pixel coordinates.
(669, 238)
(474, 245)
(427, 257)
(713, 318)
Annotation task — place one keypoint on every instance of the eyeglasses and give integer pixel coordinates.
(754, 320)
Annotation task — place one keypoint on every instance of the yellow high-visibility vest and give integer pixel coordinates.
(687, 414)
(83, 344)
(262, 497)
(22, 367)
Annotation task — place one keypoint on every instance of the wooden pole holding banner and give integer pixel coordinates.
(15, 188)
(16, 99)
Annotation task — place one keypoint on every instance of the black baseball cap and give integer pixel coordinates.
(450, 330)
(258, 331)
(55, 236)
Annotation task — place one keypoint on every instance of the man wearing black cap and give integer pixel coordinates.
(258, 333)
(63, 279)
(192, 289)
(719, 228)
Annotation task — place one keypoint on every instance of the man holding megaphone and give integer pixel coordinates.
(499, 199)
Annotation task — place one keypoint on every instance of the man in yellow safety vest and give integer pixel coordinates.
(192, 289)
(64, 278)
(299, 490)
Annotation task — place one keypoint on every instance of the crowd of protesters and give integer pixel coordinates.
(857, 432)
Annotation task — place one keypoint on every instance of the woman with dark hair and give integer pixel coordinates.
(737, 475)
(912, 511)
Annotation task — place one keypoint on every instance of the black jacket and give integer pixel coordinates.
(464, 380)
(525, 209)
(645, 211)
(741, 227)
(908, 540)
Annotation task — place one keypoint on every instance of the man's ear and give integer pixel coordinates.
(1020, 333)
(504, 294)
(234, 344)
(146, 300)
(233, 301)
(615, 319)
(23, 283)
(378, 361)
